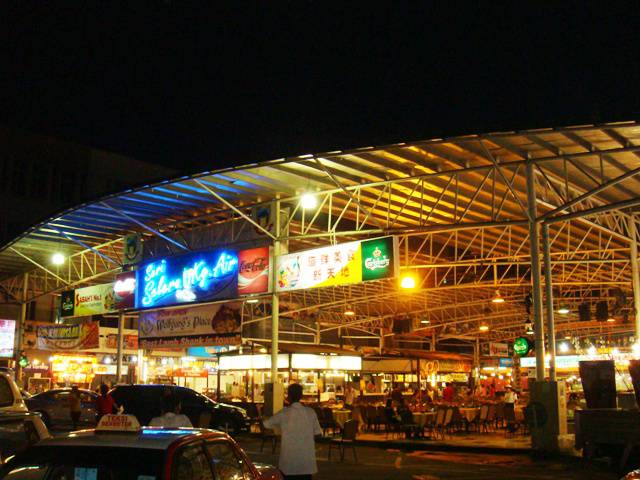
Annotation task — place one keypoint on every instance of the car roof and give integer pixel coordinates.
(67, 389)
(154, 438)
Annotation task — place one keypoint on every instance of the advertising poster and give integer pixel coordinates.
(207, 325)
(94, 300)
(498, 349)
(129, 342)
(342, 264)
(132, 249)
(82, 336)
(253, 271)
(7, 338)
(193, 277)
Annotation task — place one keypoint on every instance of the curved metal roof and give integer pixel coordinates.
(459, 205)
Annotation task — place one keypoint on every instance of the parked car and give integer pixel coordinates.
(10, 398)
(18, 431)
(53, 405)
(144, 401)
(119, 449)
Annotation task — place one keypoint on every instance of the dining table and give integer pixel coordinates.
(422, 418)
(469, 413)
(341, 417)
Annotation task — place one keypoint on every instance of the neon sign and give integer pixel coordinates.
(194, 277)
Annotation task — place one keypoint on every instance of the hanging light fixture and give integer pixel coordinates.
(498, 298)
(483, 327)
(563, 347)
(563, 310)
(528, 327)
(611, 319)
(253, 300)
(349, 312)
(425, 321)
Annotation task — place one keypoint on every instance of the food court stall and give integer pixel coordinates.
(322, 370)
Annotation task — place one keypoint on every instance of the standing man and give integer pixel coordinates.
(299, 425)
(75, 406)
(449, 393)
(349, 396)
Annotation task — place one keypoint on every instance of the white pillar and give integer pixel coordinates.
(119, 347)
(534, 246)
(548, 285)
(275, 301)
(635, 275)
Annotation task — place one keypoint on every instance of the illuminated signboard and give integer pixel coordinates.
(342, 264)
(193, 277)
(124, 290)
(253, 271)
(7, 337)
(522, 346)
(94, 300)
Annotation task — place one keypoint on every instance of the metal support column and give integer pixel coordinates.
(20, 329)
(119, 348)
(548, 285)
(275, 301)
(534, 245)
(635, 275)
(433, 341)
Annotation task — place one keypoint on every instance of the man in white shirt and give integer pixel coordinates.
(299, 425)
(171, 416)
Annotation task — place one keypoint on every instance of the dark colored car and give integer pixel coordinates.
(144, 454)
(145, 401)
(18, 431)
(53, 406)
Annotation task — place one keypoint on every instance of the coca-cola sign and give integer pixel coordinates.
(253, 271)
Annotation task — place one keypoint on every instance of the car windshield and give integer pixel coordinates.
(85, 463)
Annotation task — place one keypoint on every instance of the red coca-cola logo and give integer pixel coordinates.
(257, 265)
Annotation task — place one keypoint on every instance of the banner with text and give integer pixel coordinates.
(82, 336)
(341, 264)
(207, 325)
(94, 300)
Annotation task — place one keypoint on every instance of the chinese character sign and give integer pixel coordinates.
(342, 264)
(193, 277)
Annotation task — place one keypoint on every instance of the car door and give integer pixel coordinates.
(190, 462)
(227, 462)
(59, 412)
(88, 403)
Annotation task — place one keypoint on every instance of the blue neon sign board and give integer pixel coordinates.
(189, 278)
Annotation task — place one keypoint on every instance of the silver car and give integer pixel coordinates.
(53, 405)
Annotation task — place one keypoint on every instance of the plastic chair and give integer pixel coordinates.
(330, 423)
(372, 415)
(349, 432)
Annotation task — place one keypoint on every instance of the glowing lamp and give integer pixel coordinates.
(564, 310)
(498, 298)
(484, 327)
(252, 300)
(349, 312)
(563, 347)
(611, 319)
(308, 201)
(408, 282)
(57, 258)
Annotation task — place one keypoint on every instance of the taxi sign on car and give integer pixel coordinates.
(118, 423)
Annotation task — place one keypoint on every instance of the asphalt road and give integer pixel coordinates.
(378, 464)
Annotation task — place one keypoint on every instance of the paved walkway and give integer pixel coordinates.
(378, 463)
(497, 441)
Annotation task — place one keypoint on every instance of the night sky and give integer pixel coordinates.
(171, 83)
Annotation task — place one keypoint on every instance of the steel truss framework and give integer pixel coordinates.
(459, 207)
